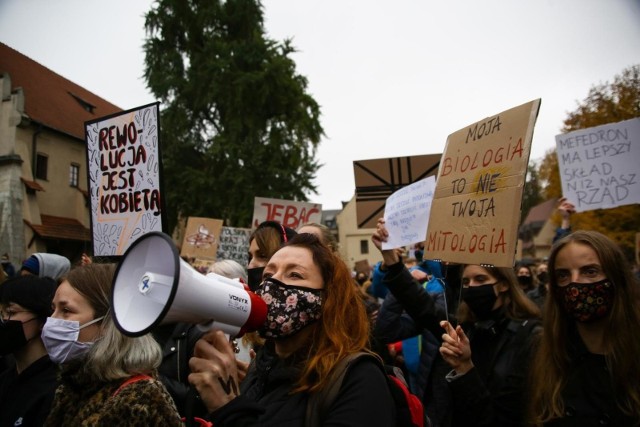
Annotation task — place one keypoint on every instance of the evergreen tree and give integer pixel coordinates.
(531, 194)
(237, 121)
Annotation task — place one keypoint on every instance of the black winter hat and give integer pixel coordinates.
(31, 292)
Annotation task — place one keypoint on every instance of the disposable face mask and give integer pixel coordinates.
(12, 336)
(60, 338)
(525, 281)
(254, 276)
(480, 299)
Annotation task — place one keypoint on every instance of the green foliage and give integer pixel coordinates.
(237, 121)
(605, 103)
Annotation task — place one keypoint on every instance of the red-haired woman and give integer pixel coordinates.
(586, 371)
(315, 320)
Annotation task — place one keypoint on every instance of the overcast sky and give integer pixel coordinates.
(392, 78)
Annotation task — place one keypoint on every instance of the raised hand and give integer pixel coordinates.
(455, 349)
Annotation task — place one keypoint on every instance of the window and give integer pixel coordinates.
(364, 247)
(42, 161)
(74, 171)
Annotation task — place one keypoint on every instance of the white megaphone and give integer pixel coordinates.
(153, 285)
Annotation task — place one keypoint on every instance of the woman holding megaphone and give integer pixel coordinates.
(315, 319)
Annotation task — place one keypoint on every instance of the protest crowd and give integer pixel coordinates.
(545, 343)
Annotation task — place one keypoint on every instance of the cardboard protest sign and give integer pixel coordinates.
(476, 206)
(124, 171)
(234, 244)
(377, 179)
(287, 212)
(363, 266)
(407, 213)
(201, 238)
(599, 165)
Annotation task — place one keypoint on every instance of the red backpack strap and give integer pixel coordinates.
(131, 380)
(413, 403)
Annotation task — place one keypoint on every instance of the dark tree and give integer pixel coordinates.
(531, 194)
(237, 121)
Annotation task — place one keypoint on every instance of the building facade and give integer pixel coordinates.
(43, 164)
(356, 247)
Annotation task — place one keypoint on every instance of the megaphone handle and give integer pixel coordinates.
(190, 402)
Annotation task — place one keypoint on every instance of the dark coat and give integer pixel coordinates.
(27, 396)
(393, 325)
(265, 400)
(491, 394)
(177, 342)
(589, 396)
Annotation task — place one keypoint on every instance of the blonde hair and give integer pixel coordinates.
(230, 269)
(113, 355)
(325, 235)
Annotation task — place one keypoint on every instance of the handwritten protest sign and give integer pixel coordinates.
(124, 168)
(476, 206)
(287, 212)
(377, 179)
(234, 244)
(407, 213)
(599, 165)
(201, 238)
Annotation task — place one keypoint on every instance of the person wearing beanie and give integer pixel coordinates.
(27, 386)
(46, 265)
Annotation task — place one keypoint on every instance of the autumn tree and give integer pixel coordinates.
(605, 103)
(237, 121)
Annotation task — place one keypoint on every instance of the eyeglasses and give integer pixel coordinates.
(5, 314)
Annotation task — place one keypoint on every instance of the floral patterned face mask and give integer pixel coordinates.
(290, 308)
(586, 302)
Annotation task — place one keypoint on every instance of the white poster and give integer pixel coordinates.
(407, 212)
(124, 168)
(599, 165)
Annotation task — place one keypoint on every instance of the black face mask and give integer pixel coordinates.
(543, 277)
(480, 299)
(11, 336)
(254, 276)
(525, 281)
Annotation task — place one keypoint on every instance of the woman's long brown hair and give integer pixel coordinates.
(552, 362)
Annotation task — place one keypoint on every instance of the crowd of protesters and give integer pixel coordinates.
(546, 343)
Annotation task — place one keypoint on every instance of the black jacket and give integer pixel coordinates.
(266, 400)
(491, 394)
(27, 396)
(177, 342)
(589, 396)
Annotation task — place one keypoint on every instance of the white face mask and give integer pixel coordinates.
(60, 338)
